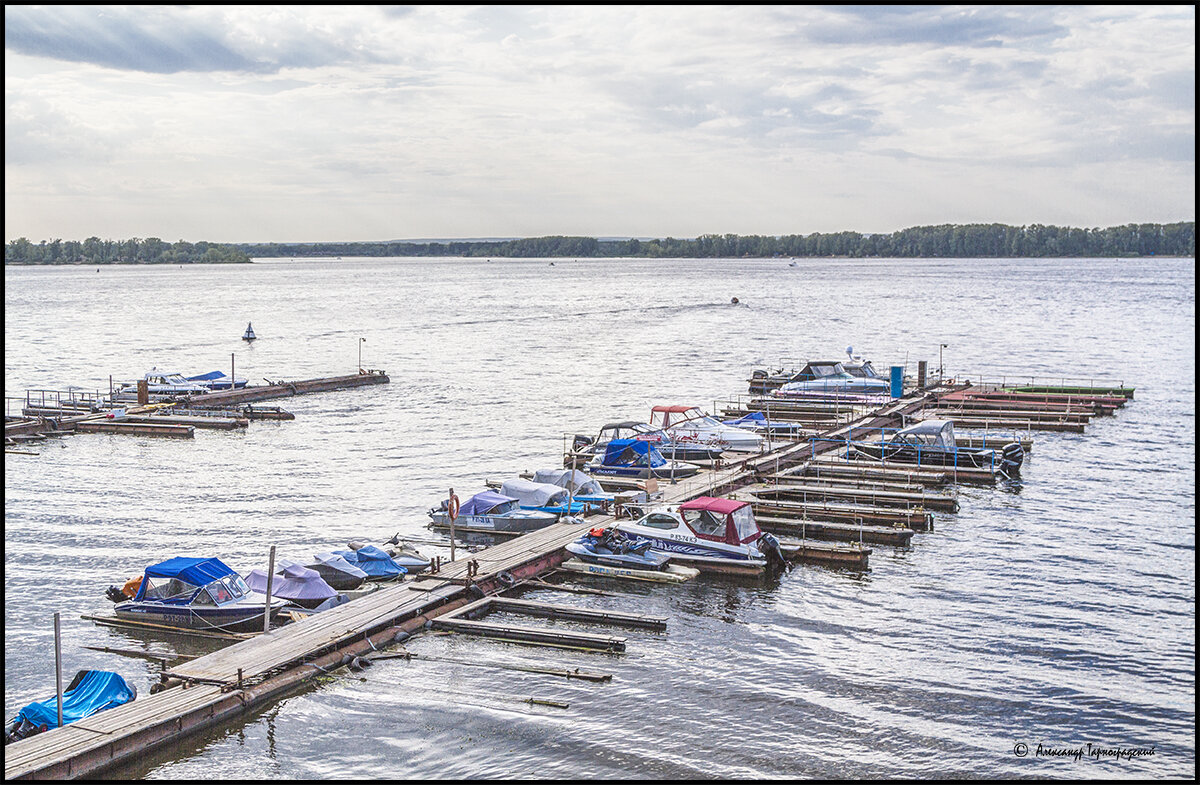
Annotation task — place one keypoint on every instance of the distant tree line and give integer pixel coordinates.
(93, 250)
(947, 240)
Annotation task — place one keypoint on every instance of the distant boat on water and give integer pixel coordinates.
(249, 334)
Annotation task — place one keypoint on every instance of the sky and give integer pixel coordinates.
(365, 123)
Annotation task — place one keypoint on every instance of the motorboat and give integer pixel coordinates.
(636, 458)
(759, 423)
(216, 380)
(194, 593)
(337, 572)
(586, 447)
(293, 582)
(691, 425)
(545, 497)
(932, 443)
(605, 546)
(491, 511)
(249, 334)
(708, 533)
(90, 692)
(763, 381)
(374, 562)
(166, 383)
(830, 377)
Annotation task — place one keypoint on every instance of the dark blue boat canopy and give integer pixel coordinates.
(632, 452)
(182, 577)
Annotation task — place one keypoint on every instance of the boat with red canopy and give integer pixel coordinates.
(706, 532)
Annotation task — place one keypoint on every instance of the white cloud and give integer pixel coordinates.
(296, 123)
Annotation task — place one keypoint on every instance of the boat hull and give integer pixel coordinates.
(240, 617)
(642, 472)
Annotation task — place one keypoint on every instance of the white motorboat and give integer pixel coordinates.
(691, 425)
(708, 533)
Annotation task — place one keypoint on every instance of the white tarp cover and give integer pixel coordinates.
(572, 479)
(534, 494)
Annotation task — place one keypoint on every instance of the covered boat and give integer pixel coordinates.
(196, 593)
(545, 497)
(758, 422)
(636, 458)
(491, 511)
(691, 425)
(337, 572)
(375, 563)
(708, 533)
(587, 447)
(932, 443)
(403, 554)
(294, 583)
(90, 692)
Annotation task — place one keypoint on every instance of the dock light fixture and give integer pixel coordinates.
(361, 341)
(941, 367)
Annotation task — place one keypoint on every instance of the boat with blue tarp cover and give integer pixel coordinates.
(375, 563)
(90, 692)
(759, 423)
(637, 458)
(194, 593)
(492, 511)
(216, 380)
(585, 447)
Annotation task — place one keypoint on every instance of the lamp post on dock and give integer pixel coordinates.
(941, 367)
(361, 341)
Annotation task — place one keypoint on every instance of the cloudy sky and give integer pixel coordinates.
(269, 123)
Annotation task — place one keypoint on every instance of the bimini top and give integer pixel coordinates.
(721, 520)
(484, 502)
(632, 452)
(181, 579)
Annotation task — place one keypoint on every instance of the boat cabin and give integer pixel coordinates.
(191, 581)
(818, 370)
(938, 434)
(708, 518)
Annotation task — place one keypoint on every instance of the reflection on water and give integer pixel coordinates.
(1055, 609)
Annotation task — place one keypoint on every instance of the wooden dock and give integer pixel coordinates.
(791, 486)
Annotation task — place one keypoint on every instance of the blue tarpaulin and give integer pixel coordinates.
(632, 452)
(90, 692)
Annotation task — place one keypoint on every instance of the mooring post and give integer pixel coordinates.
(270, 581)
(231, 369)
(452, 514)
(58, 666)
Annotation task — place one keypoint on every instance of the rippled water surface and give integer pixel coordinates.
(1059, 611)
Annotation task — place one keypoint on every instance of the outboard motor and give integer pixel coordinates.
(769, 545)
(115, 594)
(580, 441)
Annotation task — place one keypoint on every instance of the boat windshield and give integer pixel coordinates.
(168, 589)
(219, 592)
(819, 371)
(237, 587)
(705, 523)
(660, 520)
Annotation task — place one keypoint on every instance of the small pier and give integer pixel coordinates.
(828, 508)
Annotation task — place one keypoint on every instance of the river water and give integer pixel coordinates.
(1057, 611)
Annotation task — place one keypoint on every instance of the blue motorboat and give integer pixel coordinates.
(90, 692)
(637, 458)
(607, 547)
(195, 593)
(375, 563)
